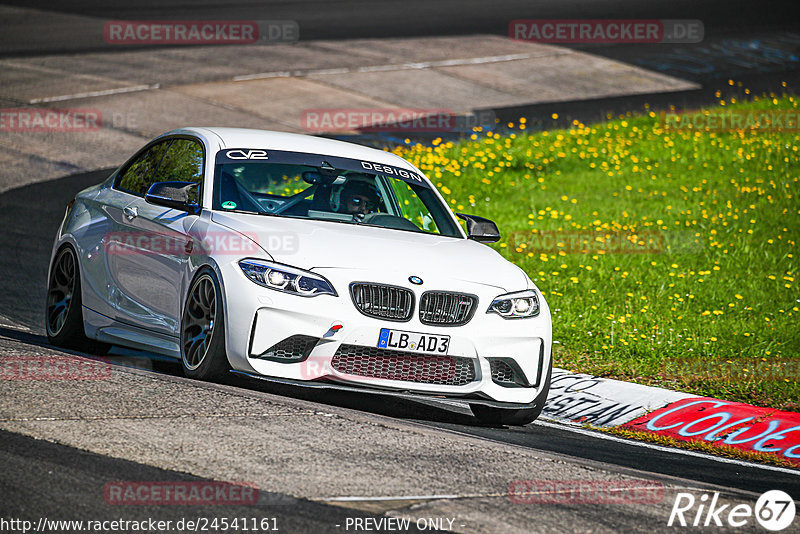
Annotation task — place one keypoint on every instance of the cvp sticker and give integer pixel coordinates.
(229, 205)
(246, 154)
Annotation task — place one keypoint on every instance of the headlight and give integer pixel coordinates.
(287, 279)
(516, 305)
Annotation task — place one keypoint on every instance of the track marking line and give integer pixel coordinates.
(357, 498)
(391, 67)
(58, 72)
(600, 435)
(404, 497)
(5, 322)
(421, 65)
(167, 416)
(92, 94)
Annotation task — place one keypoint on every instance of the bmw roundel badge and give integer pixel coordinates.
(415, 280)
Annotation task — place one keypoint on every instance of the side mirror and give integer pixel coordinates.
(480, 229)
(175, 195)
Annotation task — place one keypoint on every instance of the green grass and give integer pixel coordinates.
(710, 296)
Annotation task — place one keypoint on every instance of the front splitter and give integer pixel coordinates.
(402, 394)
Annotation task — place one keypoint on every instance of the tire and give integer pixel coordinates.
(504, 416)
(513, 417)
(203, 354)
(63, 310)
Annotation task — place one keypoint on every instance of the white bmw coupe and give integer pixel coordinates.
(300, 260)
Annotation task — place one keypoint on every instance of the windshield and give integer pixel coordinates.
(331, 189)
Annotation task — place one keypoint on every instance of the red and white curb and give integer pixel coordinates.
(602, 402)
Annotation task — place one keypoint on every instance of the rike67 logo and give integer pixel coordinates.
(774, 510)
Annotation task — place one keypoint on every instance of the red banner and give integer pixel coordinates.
(726, 424)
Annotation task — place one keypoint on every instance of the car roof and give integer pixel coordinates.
(266, 139)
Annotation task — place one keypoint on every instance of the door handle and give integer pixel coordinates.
(130, 212)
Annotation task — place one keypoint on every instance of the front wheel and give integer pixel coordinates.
(514, 417)
(203, 354)
(505, 416)
(63, 313)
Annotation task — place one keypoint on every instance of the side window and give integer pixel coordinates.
(138, 176)
(183, 162)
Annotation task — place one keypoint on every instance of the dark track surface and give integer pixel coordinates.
(351, 19)
(68, 484)
(347, 19)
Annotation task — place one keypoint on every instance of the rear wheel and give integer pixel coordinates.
(203, 330)
(63, 315)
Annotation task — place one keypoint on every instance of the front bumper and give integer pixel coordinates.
(258, 319)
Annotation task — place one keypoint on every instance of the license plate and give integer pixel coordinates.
(413, 341)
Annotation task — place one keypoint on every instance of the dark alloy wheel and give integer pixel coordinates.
(60, 291)
(63, 314)
(203, 330)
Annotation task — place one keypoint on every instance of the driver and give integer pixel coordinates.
(359, 198)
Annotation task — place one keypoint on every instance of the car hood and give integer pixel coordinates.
(310, 244)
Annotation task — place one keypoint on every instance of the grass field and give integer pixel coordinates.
(668, 256)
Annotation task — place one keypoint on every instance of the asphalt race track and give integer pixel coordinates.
(73, 475)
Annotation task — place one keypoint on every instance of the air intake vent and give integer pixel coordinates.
(292, 349)
(383, 302)
(442, 308)
(507, 374)
(395, 365)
